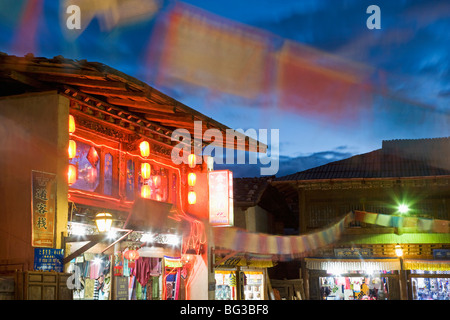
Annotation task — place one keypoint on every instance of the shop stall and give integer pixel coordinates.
(242, 277)
(365, 279)
(428, 279)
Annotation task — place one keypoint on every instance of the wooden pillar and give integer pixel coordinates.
(302, 210)
(402, 282)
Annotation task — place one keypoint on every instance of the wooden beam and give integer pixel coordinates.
(141, 106)
(76, 81)
(26, 68)
(23, 78)
(228, 256)
(96, 239)
(141, 96)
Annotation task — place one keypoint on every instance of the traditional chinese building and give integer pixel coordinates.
(400, 194)
(83, 143)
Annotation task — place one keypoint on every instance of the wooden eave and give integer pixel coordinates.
(110, 94)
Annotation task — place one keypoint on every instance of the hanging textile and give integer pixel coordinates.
(257, 243)
(426, 265)
(89, 288)
(96, 289)
(142, 270)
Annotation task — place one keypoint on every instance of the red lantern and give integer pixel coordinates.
(192, 197)
(131, 255)
(145, 149)
(72, 174)
(192, 160)
(72, 149)
(71, 124)
(146, 192)
(192, 178)
(145, 170)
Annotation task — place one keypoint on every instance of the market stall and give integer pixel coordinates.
(428, 279)
(351, 279)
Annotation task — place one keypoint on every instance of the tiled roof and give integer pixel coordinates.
(249, 190)
(396, 158)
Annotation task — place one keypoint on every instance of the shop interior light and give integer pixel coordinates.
(103, 220)
(146, 191)
(172, 239)
(147, 237)
(145, 149)
(78, 230)
(398, 251)
(112, 234)
(157, 181)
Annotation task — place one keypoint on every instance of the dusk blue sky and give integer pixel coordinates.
(412, 49)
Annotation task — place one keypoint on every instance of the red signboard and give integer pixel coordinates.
(43, 209)
(221, 211)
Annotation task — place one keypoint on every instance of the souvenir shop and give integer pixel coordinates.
(428, 279)
(242, 277)
(130, 271)
(370, 279)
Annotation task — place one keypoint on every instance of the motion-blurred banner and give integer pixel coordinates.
(200, 49)
(317, 84)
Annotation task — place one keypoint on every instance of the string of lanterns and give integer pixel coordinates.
(72, 173)
(192, 179)
(146, 173)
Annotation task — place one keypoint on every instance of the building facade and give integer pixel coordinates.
(71, 158)
(405, 180)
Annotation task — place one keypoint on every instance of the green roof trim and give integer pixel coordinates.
(410, 238)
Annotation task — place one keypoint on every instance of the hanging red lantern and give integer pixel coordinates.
(145, 149)
(72, 149)
(146, 192)
(192, 197)
(192, 160)
(71, 124)
(132, 256)
(72, 174)
(192, 178)
(145, 170)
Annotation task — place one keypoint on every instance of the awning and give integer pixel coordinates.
(426, 265)
(352, 264)
(245, 260)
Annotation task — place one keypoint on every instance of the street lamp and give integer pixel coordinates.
(403, 208)
(103, 220)
(398, 251)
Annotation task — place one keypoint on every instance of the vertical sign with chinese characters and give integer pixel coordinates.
(221, 211)
(43, 206)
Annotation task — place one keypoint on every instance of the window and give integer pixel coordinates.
(88, 165)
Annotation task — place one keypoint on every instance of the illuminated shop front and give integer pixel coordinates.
(102, 145)
(428, 279)
(351, 279)
(242, 277)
